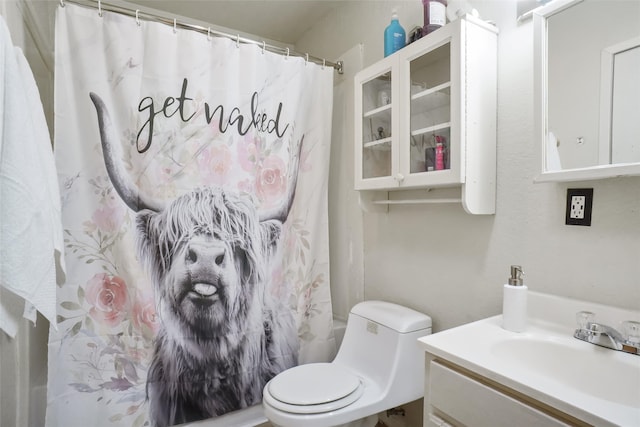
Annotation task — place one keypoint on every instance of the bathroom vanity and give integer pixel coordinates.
(480, 374)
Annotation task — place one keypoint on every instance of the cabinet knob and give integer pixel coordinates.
(399, 177)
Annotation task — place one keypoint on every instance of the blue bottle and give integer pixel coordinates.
(394, 35)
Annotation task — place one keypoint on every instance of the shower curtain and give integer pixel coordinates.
(193, 174)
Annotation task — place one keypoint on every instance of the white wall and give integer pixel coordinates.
(345, 221)
(444, 262)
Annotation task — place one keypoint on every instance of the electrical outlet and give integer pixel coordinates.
(579, 201)
(577, 207)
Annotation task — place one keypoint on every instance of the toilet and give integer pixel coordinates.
(378, 366)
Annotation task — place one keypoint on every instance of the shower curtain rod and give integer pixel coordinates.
(138, 14)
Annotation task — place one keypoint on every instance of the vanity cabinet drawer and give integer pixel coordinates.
(459, 400)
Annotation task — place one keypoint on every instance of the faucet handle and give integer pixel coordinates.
(631, 331)
(584, 318)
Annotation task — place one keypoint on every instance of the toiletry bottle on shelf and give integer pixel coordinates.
(394, 35)
(439, 154)
(514, 302)
(435, 15)
(429, 158)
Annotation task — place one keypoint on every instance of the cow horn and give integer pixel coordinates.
(281, 212)
(111, 149)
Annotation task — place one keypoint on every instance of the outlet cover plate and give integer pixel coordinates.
(579, 202)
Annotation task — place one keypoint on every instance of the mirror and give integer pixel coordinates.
(587, 87)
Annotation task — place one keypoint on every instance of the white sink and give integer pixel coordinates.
(588, 370)
(597, 385)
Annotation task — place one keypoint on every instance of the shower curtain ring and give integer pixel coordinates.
(324, 61)
(209, 34)
(306, 58)
(138, 17)
(238, 40)
(100, 8)
(61, 3)
(287, 57)
(174, 26)
(264, 46)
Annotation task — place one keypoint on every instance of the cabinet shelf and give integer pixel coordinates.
(378, 110)
(379, 144)
(380, 201)
(429, 129)
(444, 88)
(417, 201)
(431, 99)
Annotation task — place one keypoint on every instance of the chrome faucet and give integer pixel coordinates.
(606, 336)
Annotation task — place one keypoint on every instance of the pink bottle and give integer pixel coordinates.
(439, 155)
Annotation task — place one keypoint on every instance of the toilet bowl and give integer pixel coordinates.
(378, 366)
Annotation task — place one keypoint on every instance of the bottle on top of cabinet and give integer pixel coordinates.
(394, 35)
(435, 15)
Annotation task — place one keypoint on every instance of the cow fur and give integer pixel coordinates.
(212, 357)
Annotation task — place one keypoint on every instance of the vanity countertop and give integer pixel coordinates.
(597, 385)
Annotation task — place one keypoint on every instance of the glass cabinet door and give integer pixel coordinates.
(377, 129)
(429, 136)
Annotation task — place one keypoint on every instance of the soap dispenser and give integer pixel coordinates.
(514, 302)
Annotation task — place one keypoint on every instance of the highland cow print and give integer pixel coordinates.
(193, 178)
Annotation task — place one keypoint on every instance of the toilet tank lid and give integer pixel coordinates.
(394, 316)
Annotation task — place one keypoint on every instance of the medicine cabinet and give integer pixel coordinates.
(425, 118)
(586, 89)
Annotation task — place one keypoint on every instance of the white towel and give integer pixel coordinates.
(31, 243)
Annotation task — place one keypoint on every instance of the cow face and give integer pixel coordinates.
(204, 253)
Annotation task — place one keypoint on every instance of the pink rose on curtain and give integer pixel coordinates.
(214, 164)
(109, 298)
(271, 181)
(109, 217)
(144, 315)
(248, 152)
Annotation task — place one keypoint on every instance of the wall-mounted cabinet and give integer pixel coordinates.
(426, 117)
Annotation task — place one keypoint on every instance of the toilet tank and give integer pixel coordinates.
(380, 344)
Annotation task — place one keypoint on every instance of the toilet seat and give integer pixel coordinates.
(313, 389)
